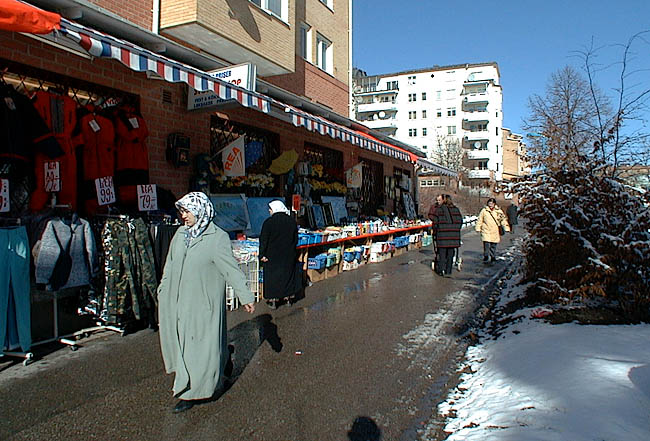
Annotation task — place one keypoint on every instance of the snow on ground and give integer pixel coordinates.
(567, 382)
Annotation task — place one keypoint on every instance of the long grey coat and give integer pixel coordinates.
(192, 310)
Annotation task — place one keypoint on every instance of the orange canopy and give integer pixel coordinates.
(23, 17)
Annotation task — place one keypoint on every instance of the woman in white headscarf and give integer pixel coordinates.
(278, 241)
(192, 306)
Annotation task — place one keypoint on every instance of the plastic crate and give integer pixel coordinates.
(331, 260)
(317, 262)
(303, 239)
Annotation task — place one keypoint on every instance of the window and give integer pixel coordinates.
(392, 85)
(424, 96)
(424, 131)
(451, 94)
(451, 111)
(451, 130)
(412, 114)
(279, 8)
(305, 41)
(438, 94)
(413, 132)
(328, 3)
(324, 56)
(482, 165)
(482, 127)
(424, 147)
(412, 97)
(497, 130)
(438, 113)
(424, 114)
(411, 79)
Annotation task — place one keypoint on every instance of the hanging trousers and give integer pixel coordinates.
(14, 281)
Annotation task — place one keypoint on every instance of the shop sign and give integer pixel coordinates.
(241, 75)
(147, 197)
(105, 190)
(52, 177)
(353, 176)
(4, 195)
(233, 158)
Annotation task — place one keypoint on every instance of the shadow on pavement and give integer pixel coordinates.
(246, 337)
(364, 429)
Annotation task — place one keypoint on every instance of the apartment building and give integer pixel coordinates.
(515, 163)
(452, 113)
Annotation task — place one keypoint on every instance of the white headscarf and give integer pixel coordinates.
(200, 206)
(278, 207)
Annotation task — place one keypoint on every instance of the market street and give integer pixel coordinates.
(376, 342)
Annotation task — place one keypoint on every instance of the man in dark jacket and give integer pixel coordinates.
(511, 212)
(447, 223)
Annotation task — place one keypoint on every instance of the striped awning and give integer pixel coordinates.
(139, 59)
(315, 123)
(435, 168)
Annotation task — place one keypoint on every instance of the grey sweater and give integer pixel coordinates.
(82, 251)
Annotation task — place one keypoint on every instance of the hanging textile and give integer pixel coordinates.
(130, 275)
(15, 288)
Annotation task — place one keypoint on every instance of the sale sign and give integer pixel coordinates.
(147, 199)
(233, 158)
(52, 176)
(4, 195)
(105, 190)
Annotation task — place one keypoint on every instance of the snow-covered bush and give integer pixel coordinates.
(589, 235)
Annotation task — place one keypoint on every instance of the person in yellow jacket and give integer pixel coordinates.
(489, 220)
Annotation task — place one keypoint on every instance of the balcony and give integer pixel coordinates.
(476, 136)
(476, 116)
(379, 124)
(478, 154)
(479, 174)
(388, 106)
(239, 34)
(478, 97)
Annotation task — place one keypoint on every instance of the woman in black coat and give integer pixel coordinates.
(278, 241)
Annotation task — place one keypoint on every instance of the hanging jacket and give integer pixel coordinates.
(94, 141)
(83, 251)
(132, 166)
(59, 113)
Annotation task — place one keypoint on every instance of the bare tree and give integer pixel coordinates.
(566, 119)
(448, 152)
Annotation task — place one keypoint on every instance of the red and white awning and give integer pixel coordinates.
(315, 123)
(139, 59)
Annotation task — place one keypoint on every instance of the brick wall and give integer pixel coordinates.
(311, 82)
(138, 12)
(161, 118)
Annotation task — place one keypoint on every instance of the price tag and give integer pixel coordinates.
(52, 176)
(134, 122)
(147, 199)
(93, 125)
(4, 195)
(105, 190)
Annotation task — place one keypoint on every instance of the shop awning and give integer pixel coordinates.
(141, 60)
(23, 17)
(324, 127)
(435, 168)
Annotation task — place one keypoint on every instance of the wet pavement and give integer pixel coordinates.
(379, 343)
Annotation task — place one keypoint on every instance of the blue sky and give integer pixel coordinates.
(528, 39)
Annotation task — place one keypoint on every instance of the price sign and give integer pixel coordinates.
(4, 195)
(147, 200)
(105, 190)
(52, 177)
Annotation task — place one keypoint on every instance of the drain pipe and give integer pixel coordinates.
(155, 12)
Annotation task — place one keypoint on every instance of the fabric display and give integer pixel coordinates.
(161, 237)
(60, 115)
(130, 274)
(66, 255)
(95, 146)
(132, 166)
(15, 315)
(23, 134)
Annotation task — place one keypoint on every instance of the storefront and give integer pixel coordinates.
(97, 150)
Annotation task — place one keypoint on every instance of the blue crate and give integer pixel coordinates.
(303, 239)
(317, 262)
(348, 256)
(357, 255)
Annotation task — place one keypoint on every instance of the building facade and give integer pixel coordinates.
(515, 163)
(452, 113)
